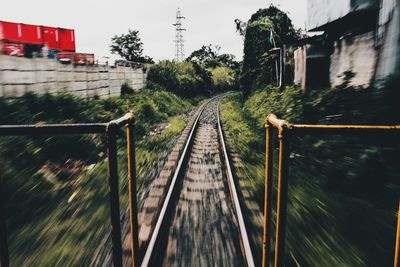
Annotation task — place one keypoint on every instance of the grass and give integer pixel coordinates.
(343, 192)
(61, 221)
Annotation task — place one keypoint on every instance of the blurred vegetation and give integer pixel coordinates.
(343, 191)
(56, 194)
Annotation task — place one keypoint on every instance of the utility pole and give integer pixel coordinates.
(179, 42)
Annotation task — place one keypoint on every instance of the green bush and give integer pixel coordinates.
(126, 89)
(223, 78)
(185, 79)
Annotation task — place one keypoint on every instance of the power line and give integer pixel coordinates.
(179, 41)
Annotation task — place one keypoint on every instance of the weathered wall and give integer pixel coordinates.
(22, 75)
(300, 55)
(321, 12)
(355, 54)
(389, 39)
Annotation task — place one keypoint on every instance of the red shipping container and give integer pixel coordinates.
(11, 31)
(32, 34)
(76, 58)
(83, 58)
(12, 49)
(67, 40)
(51, 37)
(66, 56)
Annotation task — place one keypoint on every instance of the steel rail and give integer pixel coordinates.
(148, 257)
(154, 238)
(234, 195)
(397, 246)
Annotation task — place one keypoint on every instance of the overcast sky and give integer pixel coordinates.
(95, 22)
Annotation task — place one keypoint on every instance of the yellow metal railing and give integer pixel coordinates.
(110, 130)
(285, 132)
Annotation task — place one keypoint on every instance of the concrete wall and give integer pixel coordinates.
(389, 39)
(356, 54)
(21, 75)
(321, 12)
(300, 55)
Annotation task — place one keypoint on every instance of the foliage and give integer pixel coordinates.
(185, 79)
(203, 73)
(126, 89)
(209, 56)
(129, 47)
(69, 211)
(223, 79)
(240, 27)
(266, 29)
(336, 183)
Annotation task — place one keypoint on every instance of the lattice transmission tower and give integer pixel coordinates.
(179, 41)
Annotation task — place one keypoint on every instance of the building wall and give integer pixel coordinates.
(21, 75)
(389, 39)
(355, 54)
(300, 55)
(321, 12)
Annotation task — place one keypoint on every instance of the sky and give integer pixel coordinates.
(96, 22)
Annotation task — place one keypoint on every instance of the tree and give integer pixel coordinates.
(187, 79)
(266, 29)
(209, 56)
(240, 27)
(206, 55)
(129, 47)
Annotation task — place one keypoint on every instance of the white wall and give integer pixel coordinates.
(356, 54)
(321, 12)
(300, 55)
(21, 75)
(389, 56)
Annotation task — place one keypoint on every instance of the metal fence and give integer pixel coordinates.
(285, 132)
(110, 130)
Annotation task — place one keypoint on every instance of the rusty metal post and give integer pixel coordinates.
(397, 247)
(281, 210)
(133, 210)
(113, 189)
(269, 160)
(4, 260)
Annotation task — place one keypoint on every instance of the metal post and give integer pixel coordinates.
(397, 248)
(284, 142)
(281, 68)
(112, 165)
(269, 159)
(130, 133)
(4, 261)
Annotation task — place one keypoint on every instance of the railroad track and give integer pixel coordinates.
(201, 222)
